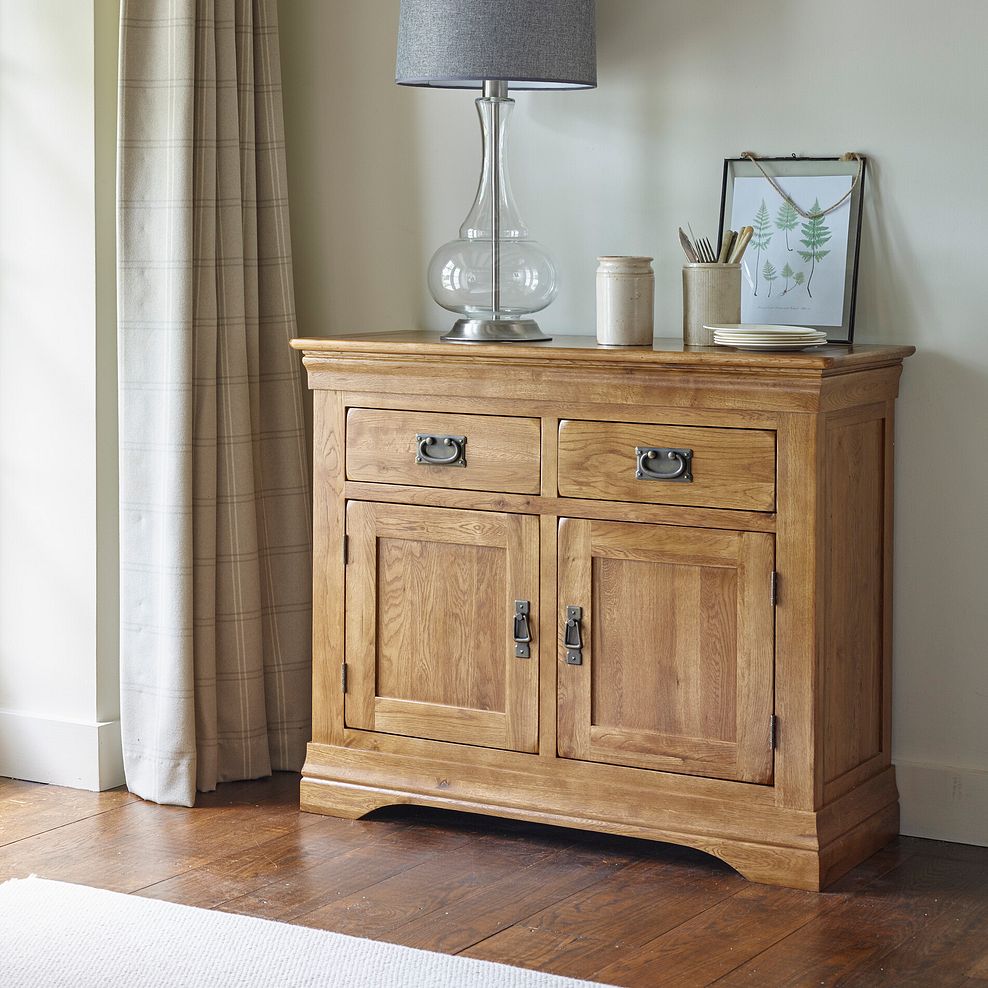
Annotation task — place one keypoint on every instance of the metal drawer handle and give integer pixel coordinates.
(647, 458)
(572, 638)
(455, 457)
(521, 632)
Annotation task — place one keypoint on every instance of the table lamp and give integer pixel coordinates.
(494, 275)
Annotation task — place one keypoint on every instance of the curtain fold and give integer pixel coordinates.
(215, 564)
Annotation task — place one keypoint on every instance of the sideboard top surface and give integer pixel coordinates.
(584, 349)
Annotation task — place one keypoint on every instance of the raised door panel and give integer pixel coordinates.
(430, 601)
(677, 649)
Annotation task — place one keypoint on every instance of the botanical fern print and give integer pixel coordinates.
(816, 233)
(794, 272)
(762, 225)
(787, 273)
(769, 274)
(798, 278)
(786, 219)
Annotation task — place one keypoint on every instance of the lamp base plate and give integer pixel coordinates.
(495, 331)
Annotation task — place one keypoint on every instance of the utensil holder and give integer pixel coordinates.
(625, 301)
(711, 296)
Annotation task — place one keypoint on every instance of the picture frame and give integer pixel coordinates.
(808, 262)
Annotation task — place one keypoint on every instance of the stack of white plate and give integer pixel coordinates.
(748, 336)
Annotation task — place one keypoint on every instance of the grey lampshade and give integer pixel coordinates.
(530, 44)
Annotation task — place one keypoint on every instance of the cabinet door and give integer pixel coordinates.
(676, 664)
(430, 624)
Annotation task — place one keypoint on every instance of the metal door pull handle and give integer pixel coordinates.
(648, 458)
(521, 632)
(572, 638)
(452, 450)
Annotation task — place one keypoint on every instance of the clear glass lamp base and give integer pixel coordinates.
(494, 275)
(495, 331)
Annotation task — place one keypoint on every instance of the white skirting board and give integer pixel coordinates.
(70, 753)
(943, 802)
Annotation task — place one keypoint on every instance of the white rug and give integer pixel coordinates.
(54, 934)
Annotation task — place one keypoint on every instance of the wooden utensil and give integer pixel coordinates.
(725, 246)
(740, 243)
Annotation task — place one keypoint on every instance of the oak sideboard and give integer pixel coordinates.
(641, 591)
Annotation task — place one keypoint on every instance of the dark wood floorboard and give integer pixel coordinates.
(27, 809)
(617, 910)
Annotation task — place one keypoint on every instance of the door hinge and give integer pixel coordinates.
(346, 549)
(774, 589)
(773, 732)
(343, 676)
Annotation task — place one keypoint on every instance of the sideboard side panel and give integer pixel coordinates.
(328, 569)
(855, 650)
(799, 563)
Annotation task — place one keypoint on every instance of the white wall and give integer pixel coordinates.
(58, 681)
(380, 176)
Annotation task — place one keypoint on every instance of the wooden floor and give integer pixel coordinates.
(616, 910)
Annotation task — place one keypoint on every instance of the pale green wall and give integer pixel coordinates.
(106, 44)
(380, 176)
(58, 645)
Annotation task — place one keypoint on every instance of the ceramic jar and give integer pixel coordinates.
(625, 301)
(711, 297)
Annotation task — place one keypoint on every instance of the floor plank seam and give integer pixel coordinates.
(843, 900)
(643, 947)
(791, 933)
(519, 923)
(62, 826)
(256, 847)
(490, 936)
(366, 888)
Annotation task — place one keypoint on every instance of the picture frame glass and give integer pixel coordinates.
(798, 270)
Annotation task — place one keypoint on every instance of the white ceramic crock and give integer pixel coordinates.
(625, 301)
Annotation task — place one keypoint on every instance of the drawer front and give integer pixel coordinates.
(668, 464)
(435, 449)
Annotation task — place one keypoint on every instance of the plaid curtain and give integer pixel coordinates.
(214, 500)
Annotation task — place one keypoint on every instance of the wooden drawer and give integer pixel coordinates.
(730, 468)
(500, 453)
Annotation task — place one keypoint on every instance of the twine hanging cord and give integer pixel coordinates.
(847, 156)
